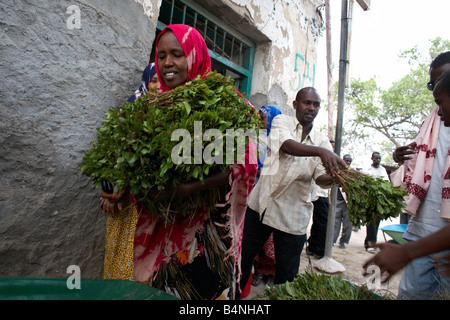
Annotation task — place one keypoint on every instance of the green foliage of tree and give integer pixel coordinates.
(398, 111)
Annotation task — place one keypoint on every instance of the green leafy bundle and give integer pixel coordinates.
(314, 286)
(369, 198)
(134, 146)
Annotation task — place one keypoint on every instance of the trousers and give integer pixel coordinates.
(371, 234)
(343, 219)
(288, 248)
(317, 238)
(421, 281)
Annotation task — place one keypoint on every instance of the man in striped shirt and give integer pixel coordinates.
(281, 200)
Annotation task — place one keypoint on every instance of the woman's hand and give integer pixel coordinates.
(111, 202)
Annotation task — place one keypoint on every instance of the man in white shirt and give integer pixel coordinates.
(280, 202)
(376, 171)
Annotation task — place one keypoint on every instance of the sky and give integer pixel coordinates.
(378, 36)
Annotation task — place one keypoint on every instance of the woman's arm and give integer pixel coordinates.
(184, 189)
(111, 203)
(212, 181)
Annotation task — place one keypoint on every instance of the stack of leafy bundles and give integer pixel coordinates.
(370, 199)
(314, 286)
(134, 144)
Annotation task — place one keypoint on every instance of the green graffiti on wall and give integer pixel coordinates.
(303, 73)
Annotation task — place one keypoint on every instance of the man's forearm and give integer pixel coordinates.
(435, 242)
(330, 160)
(298, 149)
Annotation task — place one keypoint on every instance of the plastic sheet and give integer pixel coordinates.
(90, 289)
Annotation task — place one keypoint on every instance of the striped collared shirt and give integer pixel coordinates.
(283, 192)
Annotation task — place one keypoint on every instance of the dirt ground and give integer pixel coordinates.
(351, 258)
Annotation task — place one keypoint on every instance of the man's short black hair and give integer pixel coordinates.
(440, 60)
(300, 92)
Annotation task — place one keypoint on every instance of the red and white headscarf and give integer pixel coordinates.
(195, 50)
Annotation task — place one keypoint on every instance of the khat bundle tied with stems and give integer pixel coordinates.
(370, 199)
(165, 139)
(314, 286)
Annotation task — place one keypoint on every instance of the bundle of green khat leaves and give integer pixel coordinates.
(314, 286)
(162, 140)
(370, 199)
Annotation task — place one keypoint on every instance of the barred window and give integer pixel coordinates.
(231, 53)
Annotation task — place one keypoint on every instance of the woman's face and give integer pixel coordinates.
(154, 83)
(264, 120)
(172, 63)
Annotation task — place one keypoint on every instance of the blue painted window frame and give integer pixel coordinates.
(226, 46)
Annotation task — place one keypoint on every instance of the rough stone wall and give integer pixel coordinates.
(57, 82)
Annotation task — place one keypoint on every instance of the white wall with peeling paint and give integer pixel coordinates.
(288, 61)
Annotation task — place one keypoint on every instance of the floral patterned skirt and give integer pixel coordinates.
(119, 244)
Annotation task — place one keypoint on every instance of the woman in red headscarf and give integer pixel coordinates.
(192, 258)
